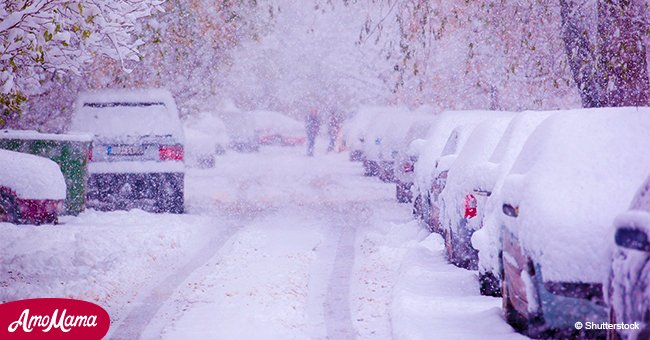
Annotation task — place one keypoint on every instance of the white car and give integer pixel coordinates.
(276, 128)
(137, 158)
(429, 150)
(356, 129)
(404, 156)
(575, 173)
(458, 200)
(205, 137)
(485, 193)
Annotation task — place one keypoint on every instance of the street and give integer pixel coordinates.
(274, 245)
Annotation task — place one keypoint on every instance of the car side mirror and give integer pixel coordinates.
(509, 210)
(632, 238)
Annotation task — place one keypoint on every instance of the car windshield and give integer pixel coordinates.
(116, 119)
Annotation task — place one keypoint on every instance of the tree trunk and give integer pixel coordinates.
(622, 67)
(580, 54)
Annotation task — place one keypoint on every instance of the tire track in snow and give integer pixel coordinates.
(344, 219)
(146, 307)
(338, 317)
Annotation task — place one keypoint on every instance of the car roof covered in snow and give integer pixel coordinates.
(577, 170)
(437, 137)
(478, 148)
(276, 122)
(117, 113)
(31, 177)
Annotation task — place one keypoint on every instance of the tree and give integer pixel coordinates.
(496, 54)
(41, 39)
(621, 66)
(608, 62)
(186, 50)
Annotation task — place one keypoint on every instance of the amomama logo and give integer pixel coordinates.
(52, 319)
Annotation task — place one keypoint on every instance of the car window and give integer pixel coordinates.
(452, 144)
(125, 119)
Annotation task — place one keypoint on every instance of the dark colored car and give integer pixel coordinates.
(137, 159)
(575, 173)
(628, 294)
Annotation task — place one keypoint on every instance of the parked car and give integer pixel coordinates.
(205, 138)
(459, 199)
(138, 149)
(240, 129)
(400, 128)
(275, 128)
(375, 134)
(356, 129)
(32, 189)
(482, 200)
(404, 156)
(576, 171)
(628, 293)
(429, 151)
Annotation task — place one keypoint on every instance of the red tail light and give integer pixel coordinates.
(171, 152)
(90, 153)
(470, 206)
(407, 166)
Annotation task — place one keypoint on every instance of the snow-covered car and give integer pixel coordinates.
(628, 293)
(375, 134)
(458, 200)
(400, 129)
(484, 193)
(240, 129)
(428, 151)
(137, 158)
(275, 128)
(575, 173)
(32, 189)
(404, 156)
(205, 137)
(355, 131)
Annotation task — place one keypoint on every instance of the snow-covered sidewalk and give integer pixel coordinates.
(275, 245)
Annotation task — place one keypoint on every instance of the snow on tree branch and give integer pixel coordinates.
(40, 38)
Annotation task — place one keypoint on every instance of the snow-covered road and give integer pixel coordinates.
(275, 245)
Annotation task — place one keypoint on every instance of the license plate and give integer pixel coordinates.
(125, 150)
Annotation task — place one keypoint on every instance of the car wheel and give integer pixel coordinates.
(612, 334)
(449, 246)
(532, 326)
(170, 195)
(8, 208)
(489, 284)
(417, 207)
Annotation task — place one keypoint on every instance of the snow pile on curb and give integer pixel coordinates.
(105, 258)
(435, 300)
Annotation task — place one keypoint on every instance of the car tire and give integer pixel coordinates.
(489, 284)
(532, 326)
(417, 207)
(9, 209)
(170, 195)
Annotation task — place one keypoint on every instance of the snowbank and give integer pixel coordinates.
(575, 173)
(433, 299)
(31, 177)
(101, 257)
